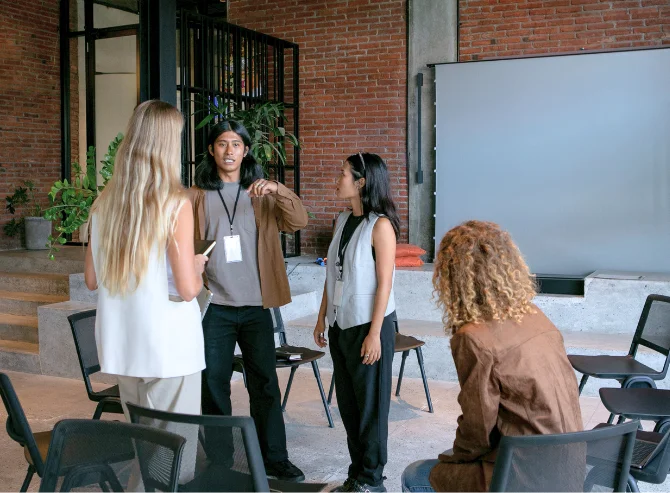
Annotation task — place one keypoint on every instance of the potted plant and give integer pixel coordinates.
(37, 229)
(71, 201)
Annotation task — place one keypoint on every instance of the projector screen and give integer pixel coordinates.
(570, 154)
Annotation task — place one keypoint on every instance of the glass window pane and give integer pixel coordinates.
(116, 89)
(105, 16)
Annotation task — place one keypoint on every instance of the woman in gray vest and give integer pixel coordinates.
(359, 304)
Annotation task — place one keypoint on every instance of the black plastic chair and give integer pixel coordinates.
(83, 332)
(567, 461)
(639, 403)
(114, 456)
(224, 456)
(403, 344)
(306, 356)
(653, 332)
(35, 445)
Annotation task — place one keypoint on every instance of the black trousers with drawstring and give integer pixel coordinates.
(364, 397)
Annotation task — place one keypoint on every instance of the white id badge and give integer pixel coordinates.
(337, 297)
(232, 248)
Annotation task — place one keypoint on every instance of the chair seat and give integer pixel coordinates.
(405, 343)
(42, 439)
(616, 367)
(108, 392)
(637, 403)
(306, 356)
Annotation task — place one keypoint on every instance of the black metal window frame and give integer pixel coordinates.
(90, 35)
(254, 70)
(238, 66)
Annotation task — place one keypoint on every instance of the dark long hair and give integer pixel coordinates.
(376, 194)
(206, 173)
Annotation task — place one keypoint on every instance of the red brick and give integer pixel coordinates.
(30, 92)
(588, 24)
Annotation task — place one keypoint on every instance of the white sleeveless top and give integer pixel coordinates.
(144, 334)
(359, 276)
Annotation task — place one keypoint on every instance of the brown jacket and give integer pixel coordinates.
(282, 211)
(515, 380)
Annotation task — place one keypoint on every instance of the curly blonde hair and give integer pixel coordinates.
(481, 276)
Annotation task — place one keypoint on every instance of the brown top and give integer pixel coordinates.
(515, 380)
(282, 211)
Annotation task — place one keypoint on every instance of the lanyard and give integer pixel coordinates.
(231, 219)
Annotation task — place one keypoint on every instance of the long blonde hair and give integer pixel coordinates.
(481, 276)
(137, 210)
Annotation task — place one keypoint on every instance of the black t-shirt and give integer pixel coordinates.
(349, 227)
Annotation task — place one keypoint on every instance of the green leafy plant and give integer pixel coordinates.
(265, 123)
(71, 201)
(23, 195)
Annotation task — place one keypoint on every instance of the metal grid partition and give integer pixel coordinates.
(235, 68)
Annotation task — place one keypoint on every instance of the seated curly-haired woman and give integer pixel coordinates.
(512, 367)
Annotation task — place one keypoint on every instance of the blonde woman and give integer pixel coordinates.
(142, 222)
(512, 367)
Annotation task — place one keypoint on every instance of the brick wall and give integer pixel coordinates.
(30, 95)
(353, 89)
(499, 28)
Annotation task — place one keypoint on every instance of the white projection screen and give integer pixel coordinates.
(570, 154)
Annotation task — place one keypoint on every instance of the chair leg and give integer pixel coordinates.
(332, 388)
(419, 356)
(582, 382)
(317, 374)
(402, 370)
(28, 479)
(98, 410)
(632, 485)
(610, 420)
(288, 388)
(244, 376)
(620, 420)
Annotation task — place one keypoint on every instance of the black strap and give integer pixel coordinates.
(231, 219)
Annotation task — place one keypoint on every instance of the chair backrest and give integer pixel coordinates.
(114, 456)
(17, 426)
(566, 461)
(221, 451)
(83, 332)
(278, 325)
(653, 328)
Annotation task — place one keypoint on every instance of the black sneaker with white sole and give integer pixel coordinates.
(366, 488)
(284, 470)
(348, 484)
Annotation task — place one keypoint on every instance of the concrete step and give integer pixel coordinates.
(69, 259)
(39, 283)
(439, 364)
(19, 356)
(19, 327)
(17, 303)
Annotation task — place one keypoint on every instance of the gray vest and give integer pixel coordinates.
(359, 276)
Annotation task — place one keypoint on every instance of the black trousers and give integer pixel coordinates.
(364, 397)
(250, 327)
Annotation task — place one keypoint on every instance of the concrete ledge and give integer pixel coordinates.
(612, 301)
(58, 356)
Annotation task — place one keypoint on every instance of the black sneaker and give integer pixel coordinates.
(284, 470)
(349, 483)
(366, 488)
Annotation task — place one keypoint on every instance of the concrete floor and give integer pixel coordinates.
(319, 451)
